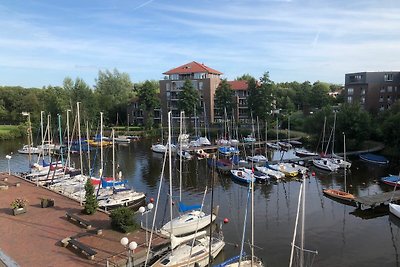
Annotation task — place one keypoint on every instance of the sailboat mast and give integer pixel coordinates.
(49, 136)
(68, 140)
(344, 156)
(333, 136)
(266, 137)
(323, 135)
(180, 156)
(252, 216)
(60, 136)
(295, 226)
(303, 202)
(80, 147)
(101, 144)
(113, 153)
(289, 128)
(88, 147)
(170, 172)
(258, 133)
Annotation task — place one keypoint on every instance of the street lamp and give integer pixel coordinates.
(9, 170)
(143, 211)
(131, 248)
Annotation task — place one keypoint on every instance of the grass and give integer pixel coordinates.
(10, 132)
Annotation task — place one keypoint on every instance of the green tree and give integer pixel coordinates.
(91, 203)
(224, 98)
(245, 77)
(122, 220)
(113, 90)
(319, 95)
(188, 99)
(261, 97)
(148, 100)
(79, 91)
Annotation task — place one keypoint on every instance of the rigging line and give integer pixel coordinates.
(156, 208)
(394, 243)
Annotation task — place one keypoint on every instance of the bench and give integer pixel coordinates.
(81, 221)
(88, 251)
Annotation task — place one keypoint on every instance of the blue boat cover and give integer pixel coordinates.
(374, 158)
(105, 183)
(183, 207)
(391, 178)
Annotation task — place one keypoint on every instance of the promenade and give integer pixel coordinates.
(34, 238)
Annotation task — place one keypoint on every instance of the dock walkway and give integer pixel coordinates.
(377, 199)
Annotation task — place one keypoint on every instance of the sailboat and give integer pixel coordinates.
(196, 252)
(241, 259)
(299, 256)
(394, 208)
(339, 194)
(191, 217)
(335, 159)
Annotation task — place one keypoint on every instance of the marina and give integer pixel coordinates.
(275, 210)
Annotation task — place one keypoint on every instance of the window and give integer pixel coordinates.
(362, 91)
(362, 99)
(200, 85)
(389, 89)
(388, 77)
(355, 78)
(350, 91)
(349, 99)
(167, 86)
(381, 99)
(382, 89)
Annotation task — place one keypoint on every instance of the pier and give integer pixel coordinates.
(377, 199)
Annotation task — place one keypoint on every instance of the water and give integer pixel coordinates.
(342, 235)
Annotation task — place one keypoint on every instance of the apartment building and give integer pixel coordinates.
(203, 78)
(375, 91)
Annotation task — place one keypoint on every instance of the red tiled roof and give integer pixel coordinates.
(238, 85)
(192, 67)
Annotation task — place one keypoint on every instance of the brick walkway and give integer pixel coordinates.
(33, 238)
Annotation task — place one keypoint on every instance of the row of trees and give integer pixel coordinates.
(113, 92)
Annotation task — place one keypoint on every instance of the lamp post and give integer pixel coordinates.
(143, 211)
(30, 141)
(8, 157)
(130, 247)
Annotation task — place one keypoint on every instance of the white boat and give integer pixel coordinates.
(325, 165)
(301, 152)
(122, 198)
(341, 162)
(394, 209)
(187, 223)
(26, 149)
(185, 154)
(285, 145)
(288, 169)
(273, 146)
(249, 139)
(122, 140)
(197, 254)
(272, 173)
(159, 148)
(257, 158)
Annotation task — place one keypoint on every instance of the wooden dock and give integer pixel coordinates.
(377, 199)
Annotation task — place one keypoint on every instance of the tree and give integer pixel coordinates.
(79, 91)
(245, 77)
(91, 203)
(113, 89)
(224, 98)
(148, 100)
(122, 220)
(261, 97)
(319, 96)
(188, 99)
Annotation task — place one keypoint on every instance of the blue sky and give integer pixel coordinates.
(42, 42)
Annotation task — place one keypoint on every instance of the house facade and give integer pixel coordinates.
(374, 91)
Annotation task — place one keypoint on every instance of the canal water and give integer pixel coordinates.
(342, 235)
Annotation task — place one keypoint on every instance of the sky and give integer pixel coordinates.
(44, 41)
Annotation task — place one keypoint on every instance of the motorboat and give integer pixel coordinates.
(325, 164)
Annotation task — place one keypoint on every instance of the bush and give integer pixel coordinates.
(91, 203)
(122, 220)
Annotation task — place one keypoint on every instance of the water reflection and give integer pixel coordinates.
(343, 235)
